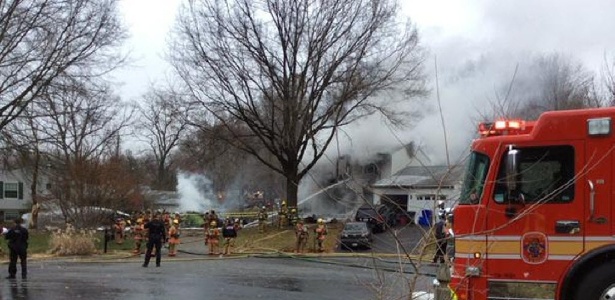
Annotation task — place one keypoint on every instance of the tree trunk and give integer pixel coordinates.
(161, 178)
(33, 222)
(292, 188)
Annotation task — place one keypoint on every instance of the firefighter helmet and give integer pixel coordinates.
(320, 221)
(176, 221)
(139, 220)
(213, 223)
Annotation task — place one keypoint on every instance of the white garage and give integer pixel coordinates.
(415, 191)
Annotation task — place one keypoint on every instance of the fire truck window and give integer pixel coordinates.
(474, 180)
(546, 175)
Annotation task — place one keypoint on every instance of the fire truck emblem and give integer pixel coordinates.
(534, 247)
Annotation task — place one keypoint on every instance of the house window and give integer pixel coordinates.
(430, 197)
(10, 215)
(11, 190)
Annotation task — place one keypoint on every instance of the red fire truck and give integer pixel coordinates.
(537, 209)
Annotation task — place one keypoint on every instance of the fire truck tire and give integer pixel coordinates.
(599, 284)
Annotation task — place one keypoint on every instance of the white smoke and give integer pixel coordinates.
(194, 192)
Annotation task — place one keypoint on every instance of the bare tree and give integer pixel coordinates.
(22, 151)
(41, 40)
(608, 81)
(284, 76)
(551, 82)
(560, 83)
(81, 129)
(164, 119)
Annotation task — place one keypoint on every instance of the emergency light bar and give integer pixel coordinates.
(501, 127)
(599, 126)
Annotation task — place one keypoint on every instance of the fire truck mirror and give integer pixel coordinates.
(512, 171)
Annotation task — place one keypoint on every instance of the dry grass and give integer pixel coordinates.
(283, 240)
(73, 242)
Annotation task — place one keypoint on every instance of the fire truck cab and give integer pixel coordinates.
(536, 211)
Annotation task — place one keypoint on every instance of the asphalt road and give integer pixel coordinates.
(379, 274)
(197, 277)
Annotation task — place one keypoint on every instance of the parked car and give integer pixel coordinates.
(378, 217)
(356, 234)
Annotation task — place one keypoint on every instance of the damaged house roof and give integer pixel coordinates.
(423, 177)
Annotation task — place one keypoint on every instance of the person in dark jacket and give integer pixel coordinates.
(157, 235)
(441, 240)
(18, 247)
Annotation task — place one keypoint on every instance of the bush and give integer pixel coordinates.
(73, 242)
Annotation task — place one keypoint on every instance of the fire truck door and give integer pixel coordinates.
(535, 236)
(597, 184)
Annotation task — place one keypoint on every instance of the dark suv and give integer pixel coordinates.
(377, 217)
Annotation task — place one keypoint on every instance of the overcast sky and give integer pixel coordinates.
(477, 45)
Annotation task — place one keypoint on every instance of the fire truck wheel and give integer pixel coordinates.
(598, 284)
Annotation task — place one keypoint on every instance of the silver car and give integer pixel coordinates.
(356, 234)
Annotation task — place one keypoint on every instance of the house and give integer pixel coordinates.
(417, 189)
(15, 193)
(415, 186)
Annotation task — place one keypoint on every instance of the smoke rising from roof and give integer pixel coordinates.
(477, 45)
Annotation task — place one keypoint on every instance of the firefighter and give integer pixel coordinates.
(441, 241)
(292, 217)
(301, 235)
(166, 219)
(262, 220)
(206, 222)
(229, 233)
(148, 215)
(118, 231)
(173, 237)
(321, 233)
(283, 215)
(177, 216)
(213, 216)
(138, 235)
(213, 238)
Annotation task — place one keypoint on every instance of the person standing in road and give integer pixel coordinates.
(18, 247)
(156, 235)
